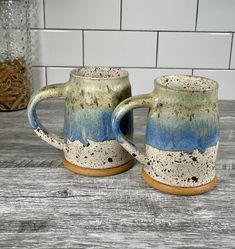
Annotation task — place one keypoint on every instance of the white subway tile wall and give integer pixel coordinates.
(216, 15)
(159, 14)
(58, 74)
(148, 38)
(233, 54)
(39, 77)
(194, 50)
(82, 14)
(224, 77)
(142, 80)
(58, 48)
(120, 48)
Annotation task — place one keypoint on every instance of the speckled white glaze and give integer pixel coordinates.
(50, 139)
(100, 155)
(91, 95)
(182, 131)
(181, 169)
(187, 83)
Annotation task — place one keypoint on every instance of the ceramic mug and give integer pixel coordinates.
(182, 134)
(89, 145)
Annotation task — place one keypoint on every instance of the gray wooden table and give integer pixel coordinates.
(43, 205)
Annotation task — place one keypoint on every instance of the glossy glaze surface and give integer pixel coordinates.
(91, 96)
(182, 132)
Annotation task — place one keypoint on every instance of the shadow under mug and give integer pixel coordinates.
(89, 145)
(182, 134)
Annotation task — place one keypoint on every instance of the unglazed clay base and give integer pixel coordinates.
(97, 172)
(178, 190)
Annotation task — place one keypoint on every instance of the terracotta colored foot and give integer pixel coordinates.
(178, 190)
(97, 172)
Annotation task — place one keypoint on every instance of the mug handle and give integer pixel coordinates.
(55, 90)
(139, 101)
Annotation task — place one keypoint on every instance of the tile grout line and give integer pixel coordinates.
(158, 34)
(120, 14)
(196, 15)
(141, 31)
(44, 20)
(162, 68)
(83, 45)
(46, 75)
(44, 15)
(231, 50)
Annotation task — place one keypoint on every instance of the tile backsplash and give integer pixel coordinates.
(147, 37)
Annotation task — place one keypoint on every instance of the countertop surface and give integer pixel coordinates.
(43, 205)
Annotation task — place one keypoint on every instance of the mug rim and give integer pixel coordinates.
(158, 82)
(123, 73)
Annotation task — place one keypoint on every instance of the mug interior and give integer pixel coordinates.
(186, 83)
(99, 73)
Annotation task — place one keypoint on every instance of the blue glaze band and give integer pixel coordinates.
(93, 124)
(181, 135)
(34, 121)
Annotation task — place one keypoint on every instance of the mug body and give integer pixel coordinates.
(90, 146)
(182, 134)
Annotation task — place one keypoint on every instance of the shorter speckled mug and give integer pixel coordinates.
(89, 145)
(182, 134)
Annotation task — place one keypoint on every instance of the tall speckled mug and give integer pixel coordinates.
(182, 134)
(89, 145)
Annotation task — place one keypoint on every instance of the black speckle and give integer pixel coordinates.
(86, 145)
(148, 163)
(133, 154)
(38, 129)
(194, 178)
(194, 159)
(110, 159)
(76, 156)
(92, 154)
(85, 156)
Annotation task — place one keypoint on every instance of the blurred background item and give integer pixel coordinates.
(15, 55)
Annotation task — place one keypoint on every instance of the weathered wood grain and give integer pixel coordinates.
(43, 205)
